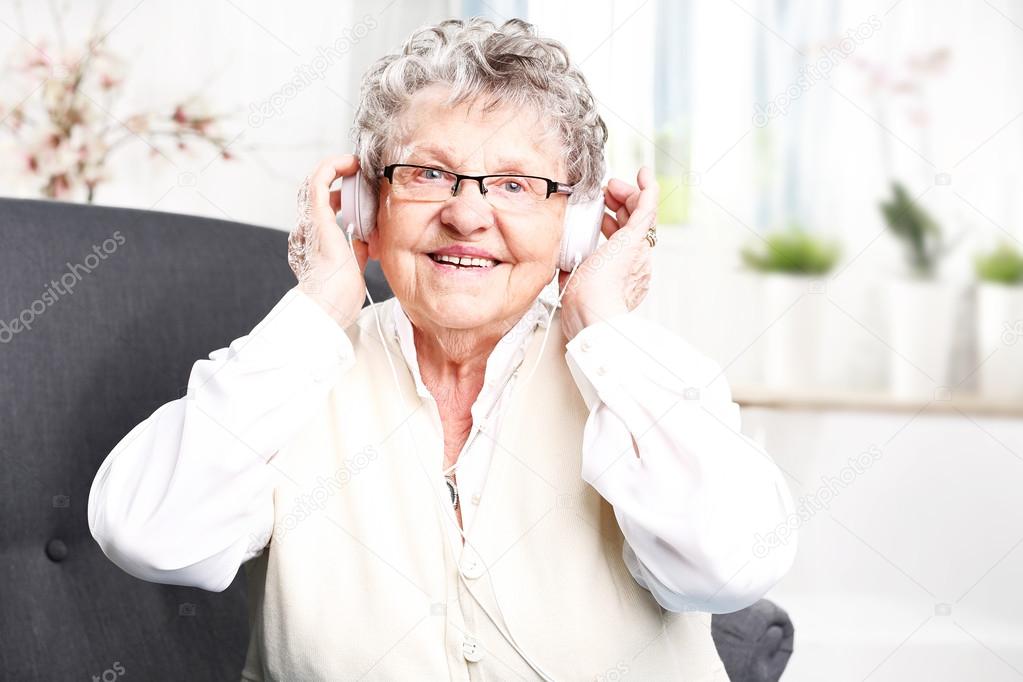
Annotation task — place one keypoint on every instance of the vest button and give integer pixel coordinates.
(472, 650)
(472, 568)
(584, 346)
(56, 550)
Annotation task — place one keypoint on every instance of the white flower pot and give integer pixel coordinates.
(792, 322)
(1000, 340)
(922, 317)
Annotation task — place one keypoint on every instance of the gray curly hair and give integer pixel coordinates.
(511, 64)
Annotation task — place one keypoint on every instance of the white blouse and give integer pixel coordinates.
(186, 497)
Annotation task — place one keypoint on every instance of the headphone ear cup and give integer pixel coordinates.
(581, 232)
(358, 206)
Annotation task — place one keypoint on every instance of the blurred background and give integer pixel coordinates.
(841, 228)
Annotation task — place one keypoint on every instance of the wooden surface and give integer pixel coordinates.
(749, 395)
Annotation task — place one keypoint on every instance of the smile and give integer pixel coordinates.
(463, 262)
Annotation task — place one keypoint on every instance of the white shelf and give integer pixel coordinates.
(752, 395)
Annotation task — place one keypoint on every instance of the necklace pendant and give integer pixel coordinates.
(452, 489)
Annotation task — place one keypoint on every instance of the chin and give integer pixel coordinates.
(464, 311)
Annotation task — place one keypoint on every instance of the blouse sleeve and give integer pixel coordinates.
(691, 493)
(186, 497)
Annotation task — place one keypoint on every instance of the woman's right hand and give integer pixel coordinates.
(318, 252)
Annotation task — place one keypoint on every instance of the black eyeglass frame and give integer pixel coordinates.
(553, 187)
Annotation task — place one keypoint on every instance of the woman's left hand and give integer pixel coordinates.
(615, 278)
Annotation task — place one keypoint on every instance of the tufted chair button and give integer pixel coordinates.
(56, 550)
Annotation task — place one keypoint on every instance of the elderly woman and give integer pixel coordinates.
(423, 488)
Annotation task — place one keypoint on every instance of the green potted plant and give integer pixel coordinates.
(921, 309)
(1002, 266)
(1000, 321)
(919, 233)
(792, 264)
(793, 251)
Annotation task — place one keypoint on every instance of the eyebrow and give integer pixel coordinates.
(446, 155)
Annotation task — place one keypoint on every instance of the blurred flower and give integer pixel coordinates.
(66, 136)
(919, 117)
(934, 61)
(886, 82)
(138, 123)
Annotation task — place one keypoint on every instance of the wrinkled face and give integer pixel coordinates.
(520, 246)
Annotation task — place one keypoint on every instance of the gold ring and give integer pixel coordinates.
(651, 236)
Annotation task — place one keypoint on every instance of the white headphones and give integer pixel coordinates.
(579, 239)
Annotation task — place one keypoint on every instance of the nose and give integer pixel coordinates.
(467, 210)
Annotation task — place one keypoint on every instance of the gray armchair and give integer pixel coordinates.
(103, 311)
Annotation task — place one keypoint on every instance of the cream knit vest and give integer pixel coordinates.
(360, 581)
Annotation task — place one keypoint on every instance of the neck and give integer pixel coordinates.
(453, 362)
(453, 357)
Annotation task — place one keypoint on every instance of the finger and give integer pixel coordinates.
(326, 172)
(610, 200)
(335, 200)
(609, 225)
(645, 215)
(632, 202)
(646, 181)
(624, 193)
(623, 216)
(645, 177)
(620, 189)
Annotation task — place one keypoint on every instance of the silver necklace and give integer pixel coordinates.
(452, 489)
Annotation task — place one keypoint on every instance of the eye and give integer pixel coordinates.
(513, 187)
(427, 175)
(431, 174)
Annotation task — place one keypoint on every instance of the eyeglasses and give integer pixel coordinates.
(428, 183)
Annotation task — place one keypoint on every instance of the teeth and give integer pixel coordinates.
(456, 260)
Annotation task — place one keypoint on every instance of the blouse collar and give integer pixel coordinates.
(504, 360)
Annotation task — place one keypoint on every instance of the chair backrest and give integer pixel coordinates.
(103, 311)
